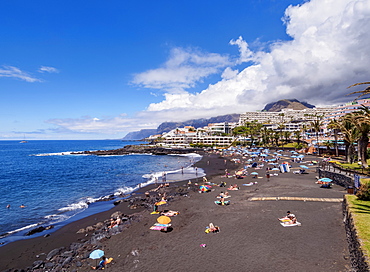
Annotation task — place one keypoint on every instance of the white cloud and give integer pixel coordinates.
(328, 52)
(14, 72)
(93, 125)
(48, 69)
(245, 53)
(229, 73)
(183, 69)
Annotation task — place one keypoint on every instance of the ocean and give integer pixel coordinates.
(57, 187)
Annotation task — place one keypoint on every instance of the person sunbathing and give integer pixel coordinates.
(292, 220)
(223, 195)
(233, 187)
(170, 213)
(288, 217)
(212, 228)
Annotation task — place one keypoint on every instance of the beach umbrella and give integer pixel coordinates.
(325, 180)
(254, 173)
(159, 203)
(304, 166)
(204, 188)
(163, 220)
(263, 155)
(96, 254)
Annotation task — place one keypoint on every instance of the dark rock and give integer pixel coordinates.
(67, 261)
(35, 230)
(49, 265)
(141, 149)
(53, 253)
(75, 246)
(37, 264)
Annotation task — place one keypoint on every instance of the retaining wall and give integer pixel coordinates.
(359, 261)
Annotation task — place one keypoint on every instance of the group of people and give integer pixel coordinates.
(115, 222)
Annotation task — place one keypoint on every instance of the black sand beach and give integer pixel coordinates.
(251, 237)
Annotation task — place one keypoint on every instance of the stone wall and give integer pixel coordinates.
(339, 179)
(359, 262)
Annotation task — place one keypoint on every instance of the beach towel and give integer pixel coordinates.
(158, 226)
(155, 212)
(249, 184)
(290, 225)
(162, 225)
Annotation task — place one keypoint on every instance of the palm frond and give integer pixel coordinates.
(362, 93)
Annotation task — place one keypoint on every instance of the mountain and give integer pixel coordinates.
(197, 123)
(141, 134)
(287, 104)
(167, 126)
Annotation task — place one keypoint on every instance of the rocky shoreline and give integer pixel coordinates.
(140, 149)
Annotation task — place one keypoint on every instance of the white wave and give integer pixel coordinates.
(23, 228)
(125, 190)
(56, 218)
(75, 206)
(194, 155)
(65, 153)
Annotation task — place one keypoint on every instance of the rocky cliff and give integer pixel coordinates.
(287, 104)
(167, 126)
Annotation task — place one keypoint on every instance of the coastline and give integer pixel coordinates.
(23, 253)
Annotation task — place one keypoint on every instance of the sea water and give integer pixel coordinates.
(57, 187)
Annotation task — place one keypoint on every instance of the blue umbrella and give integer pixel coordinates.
(326, 180)
(96, 254)
(254, 173)
(304, 166)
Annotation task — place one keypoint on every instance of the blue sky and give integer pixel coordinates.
(100, 69)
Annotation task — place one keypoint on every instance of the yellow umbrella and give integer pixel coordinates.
(163, 220)
(162, 202)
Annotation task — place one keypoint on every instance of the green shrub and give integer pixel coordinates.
(363, 193)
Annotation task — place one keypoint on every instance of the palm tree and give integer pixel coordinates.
(334, 125)
(328, 145)
(287, 135)
(362, 122)
(361, 93)
(297, 135)
(350, 135)
(316, 126)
